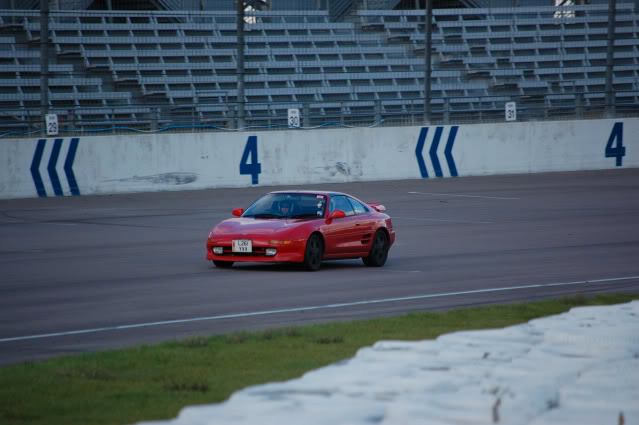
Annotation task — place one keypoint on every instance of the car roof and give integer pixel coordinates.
(312, 192)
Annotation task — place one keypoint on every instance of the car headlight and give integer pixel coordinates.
(218, 250)
(270, 252)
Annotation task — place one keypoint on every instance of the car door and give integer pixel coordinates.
(364, 226)
(341, 234)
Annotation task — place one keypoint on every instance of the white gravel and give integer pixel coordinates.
(580, 367)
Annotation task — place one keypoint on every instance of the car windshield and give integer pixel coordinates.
(288, 205)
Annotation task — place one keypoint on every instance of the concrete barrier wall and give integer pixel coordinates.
(64, 166)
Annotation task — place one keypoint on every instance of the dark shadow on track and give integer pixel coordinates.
(292, 267)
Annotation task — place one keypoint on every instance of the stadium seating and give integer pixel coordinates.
(147, 70)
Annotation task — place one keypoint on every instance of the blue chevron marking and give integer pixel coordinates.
(35, 168)
(53, 174)
(433, 152)
(68, 167)
(449, 151)
(418, 152)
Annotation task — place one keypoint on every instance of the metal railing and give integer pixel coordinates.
(197, 117)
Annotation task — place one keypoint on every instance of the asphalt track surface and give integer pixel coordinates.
(90, 273)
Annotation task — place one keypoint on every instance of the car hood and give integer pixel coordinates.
(256, 226)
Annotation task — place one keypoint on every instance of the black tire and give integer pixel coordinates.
(223, 264)
(313, 253)
(379, 251)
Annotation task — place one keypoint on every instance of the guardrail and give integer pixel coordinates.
(194, 117)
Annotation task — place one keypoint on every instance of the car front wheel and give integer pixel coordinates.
(379, 251)
(313, 253)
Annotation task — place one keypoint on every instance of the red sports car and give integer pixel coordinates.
(303, 227)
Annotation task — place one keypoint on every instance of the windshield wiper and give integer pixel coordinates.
(305, 215)
(265, 216)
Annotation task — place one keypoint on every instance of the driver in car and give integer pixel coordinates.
(285, 207)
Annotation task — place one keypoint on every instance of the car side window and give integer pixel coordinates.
(358, 207)
(312, 206)
(340, 202)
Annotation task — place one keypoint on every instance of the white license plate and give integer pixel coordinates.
(243, 245)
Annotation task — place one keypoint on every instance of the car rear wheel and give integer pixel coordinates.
(379, 251)
(313, 254)
(223, 264)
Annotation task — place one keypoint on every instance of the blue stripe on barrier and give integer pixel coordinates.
(433, 152)
(418, 152)
(449, 151)
(68, 167)
(53, 174)
(35, 168)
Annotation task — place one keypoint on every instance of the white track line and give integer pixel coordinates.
(317, 307)
(400, 271)
(441, 220)
(459, 196)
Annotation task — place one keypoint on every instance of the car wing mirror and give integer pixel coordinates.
(337, 214)
(237, 212)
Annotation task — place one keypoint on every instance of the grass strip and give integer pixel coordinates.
(155, 382)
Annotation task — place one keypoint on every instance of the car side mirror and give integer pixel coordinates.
(337, 214)
(238, 212)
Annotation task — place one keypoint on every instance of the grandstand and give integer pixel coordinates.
(172, 64)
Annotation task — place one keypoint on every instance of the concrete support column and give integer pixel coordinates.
(240, 63)
(44, 59)
(427, 59)
(610, 95)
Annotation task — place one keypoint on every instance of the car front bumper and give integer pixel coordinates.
(287, 251)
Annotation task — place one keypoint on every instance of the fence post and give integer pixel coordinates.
(71, 120)
(232, 117)
(112, 119)
(156, 119)
(378, 111)
(306, 108)
(412, 112)
(578, 105)
(546, 106)
(446, 111)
